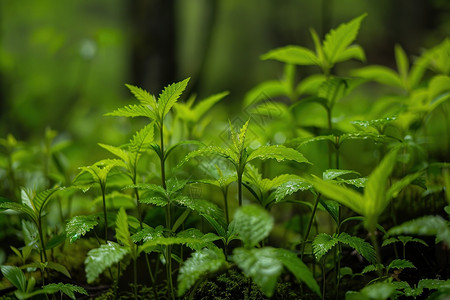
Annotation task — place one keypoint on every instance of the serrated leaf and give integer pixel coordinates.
(358, 182)
(169, 96)
(15, 276)
(59, 268)
(365, 249)
(133, 111)
(141, 139)
(298, 268)
(201, 240)
(389, 241)
(407, 239)
(332, 90)
(400, 264)
(79, 226)
(202, 207)
(304, 141)
(322, 244)
(211, 150)
(198, 265)
(156, 200)
(143, 96)
(99, 259)
(377, 124)
(292, 55)
(277, 152)
(122, 231)
(371, 268)
(331, 174)
(337, 40)
(262, 265)
(427, 225)
(290, 187)
(434, 284)
(119, 152)
(68, 289)
(147, 234)
(253, 224)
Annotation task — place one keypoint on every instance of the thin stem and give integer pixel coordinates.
(311, 220)
(103, 187)
(170, 290)
(41, 237)
(374, 241)
(239, 183)
(138, 204)
(225, 200)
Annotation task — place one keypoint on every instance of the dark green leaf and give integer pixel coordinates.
(79, 226)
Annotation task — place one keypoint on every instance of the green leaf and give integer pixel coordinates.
(20, 208)
(261, 265)
(352, 52)
(119, 152)
(389, 241)
(143, 96)
(201, 108)
(365, 249)
(427, 225)
(158, 201)
(402, 63)
(380, 74)
(55, 241)
(333, 89)
(211, 150)
(199, 265)
(371, 268)
(378, 291)
(298, 268)
(400, 264)
(15, 276)
(343, 195)
(133, 111)
(393, 191)
(277, 152)
(331, 174)
(290, 187)
(322, 244)
(337, 40)
(375, 195)
(199, 239)
(122, 231)
(253, 224)
(59, 268)
(99, 259)
(202, 207)
(169, 96)
(41, 199)
(407, 239)
(79, 226)
(292, 55)
(147, 234)
(141, 140)
(68, 289)
(434, 284)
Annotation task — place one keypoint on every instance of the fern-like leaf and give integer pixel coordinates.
(427, 225)
(133, 111)
(277, 152)
(400, 264)
(169, 96)
(198, 265)
(365, 249)
(79, 226)
(322, 244)
(143, 96)
(99, 259)
(292, 55)
(65, 288)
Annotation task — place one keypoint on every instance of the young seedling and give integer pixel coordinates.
(238, 154)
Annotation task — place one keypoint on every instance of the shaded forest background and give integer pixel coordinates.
(64, 64)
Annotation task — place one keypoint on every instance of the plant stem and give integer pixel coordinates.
(225, 200)
(170, 290)
(374, 241)
(311, 220)
(152, 278)
(41, 237)
(103, 187)
(239, 183)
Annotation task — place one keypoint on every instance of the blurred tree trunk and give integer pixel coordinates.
(153, 61)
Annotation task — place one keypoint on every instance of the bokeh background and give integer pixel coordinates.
(64, 64)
